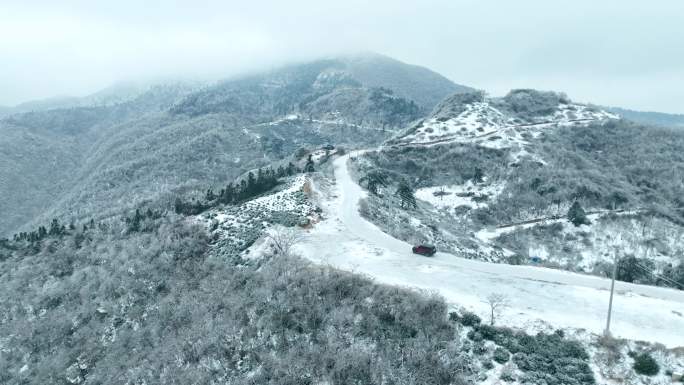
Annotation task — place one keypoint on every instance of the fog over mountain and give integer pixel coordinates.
(339, 193)
(608, 52)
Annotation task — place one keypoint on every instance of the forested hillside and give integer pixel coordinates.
(534, 177)
(649, 117)
(150, 239)
(93, 299)
(155, 293)
(126, 148)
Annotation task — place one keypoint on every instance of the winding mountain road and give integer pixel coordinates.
(539, 298)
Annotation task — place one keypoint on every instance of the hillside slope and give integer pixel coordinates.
(425, 87)
(361, 246)
(496, 180)
(650, 117)
(46, 151)
(177, 137)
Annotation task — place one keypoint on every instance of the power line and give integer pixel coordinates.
(664, 278)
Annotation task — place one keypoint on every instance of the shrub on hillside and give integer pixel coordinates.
(155, 303)
(542, 358)
(466, 319)
(529, 103)
(633, 269)
(576, 215)
(645, 364)
(501, 355)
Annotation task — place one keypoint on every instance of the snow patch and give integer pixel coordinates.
(468, 194)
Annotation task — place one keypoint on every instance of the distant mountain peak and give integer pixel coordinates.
(422, 85)
(295, 84)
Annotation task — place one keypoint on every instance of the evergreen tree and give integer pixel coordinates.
(373, 180)
(478, 175)
(210, 196)
(617, 199)
(309, 166)
(632, 269)
(243, 189)
(135, 222)
(228, 194)
(291, 169)
(178, 206)
(576, 215)
(251, 185)
(260, 181)
(55, 228)
(405, 192)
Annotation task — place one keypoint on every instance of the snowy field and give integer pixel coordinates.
(539, 298)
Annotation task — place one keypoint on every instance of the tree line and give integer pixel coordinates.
(55, 229)
(247, 188)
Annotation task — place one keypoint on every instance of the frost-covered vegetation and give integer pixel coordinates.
(145, 275)
(504, 355)
(633, 362)
(616, 165)
(154, 306)
(82, 161)
(234, 228)
(551, 176)
(650, 248)
(517, 357)
(506, 122)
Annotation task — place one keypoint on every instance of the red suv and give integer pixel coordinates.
(426, 250)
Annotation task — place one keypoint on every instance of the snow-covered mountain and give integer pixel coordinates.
(260, 230)
(128, 143)
(499, 122)
(495, 179)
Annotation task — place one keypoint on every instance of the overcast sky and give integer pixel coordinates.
(623, 53)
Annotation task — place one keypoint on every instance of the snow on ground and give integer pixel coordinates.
(538, 297)
(468, 194)
(238, 227)
(320, 154)
(615, 366)
(567, 114)
(486, 126)
(586, 246)
(280, 201)
(478, 120)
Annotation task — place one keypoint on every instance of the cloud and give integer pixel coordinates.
(609, 52)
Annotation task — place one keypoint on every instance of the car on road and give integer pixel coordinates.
(426, 250)
(328, 147)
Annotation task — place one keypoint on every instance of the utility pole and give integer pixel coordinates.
(612, 290)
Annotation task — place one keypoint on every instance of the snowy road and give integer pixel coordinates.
(538, 297)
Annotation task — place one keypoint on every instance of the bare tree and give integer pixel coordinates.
(497, 302)
(283, 239)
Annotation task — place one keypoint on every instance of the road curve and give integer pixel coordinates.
(538, 297)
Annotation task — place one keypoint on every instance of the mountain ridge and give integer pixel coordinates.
(139, 139)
